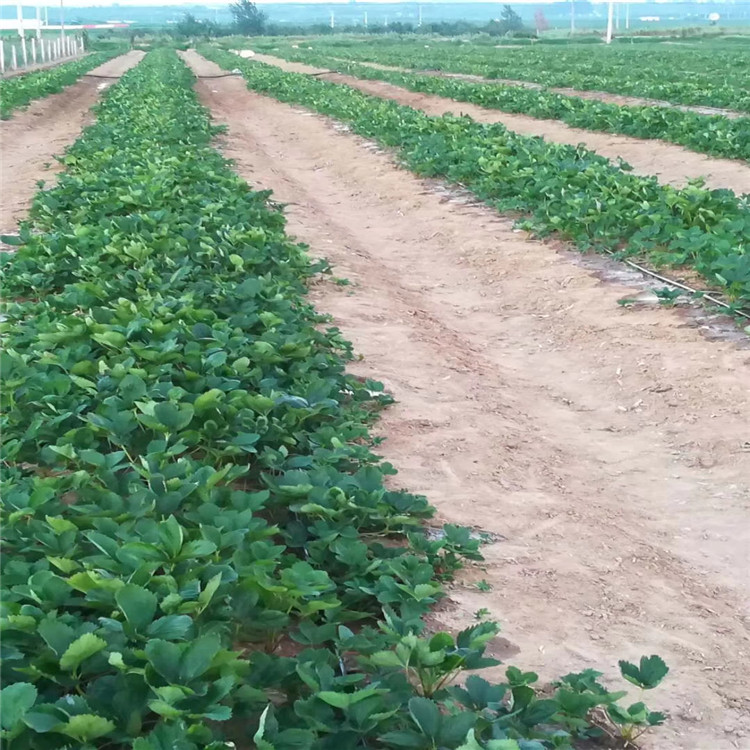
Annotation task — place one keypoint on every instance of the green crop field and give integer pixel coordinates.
(714, 134)
(710, 73)
(202, 548)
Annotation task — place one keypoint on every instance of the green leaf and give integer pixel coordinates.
(137, 604)
(386, 659)
(648, 675)
(16, 700)
(81, 649)
(170, 628)
(56, 635)
(426, 715)
(338, 700)
(112, 339)
(198, 657)
(164, 658)
(45, 718)
(87, 727)
(172, 416)
(60, 525)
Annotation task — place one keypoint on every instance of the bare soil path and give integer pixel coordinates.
(605, 449)
(670, 163)
(32, 137)
(602, 96)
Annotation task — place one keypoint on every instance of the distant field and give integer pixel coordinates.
(709, 73)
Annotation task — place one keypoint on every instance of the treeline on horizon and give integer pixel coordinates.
(249, 20)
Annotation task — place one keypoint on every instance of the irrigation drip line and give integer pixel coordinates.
(117, 78)
(685, 287)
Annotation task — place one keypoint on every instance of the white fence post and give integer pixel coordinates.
(13, 58)
(33, 49)
(24, 52)
(2, 57)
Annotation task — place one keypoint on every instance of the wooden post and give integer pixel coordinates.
(13, 58)
(33, 49)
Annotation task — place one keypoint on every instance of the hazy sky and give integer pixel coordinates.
(27, 4)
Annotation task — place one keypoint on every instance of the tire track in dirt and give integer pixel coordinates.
(671, 164)
(604, 447)
(32, 137)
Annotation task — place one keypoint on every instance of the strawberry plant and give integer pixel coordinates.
(566, 190)
(711, 134)
(198, 544)
(710, 73)
(19, 91)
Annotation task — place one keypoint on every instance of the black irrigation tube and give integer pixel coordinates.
(117, 78)
(642, 269)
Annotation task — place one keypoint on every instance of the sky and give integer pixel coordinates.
(207, 3)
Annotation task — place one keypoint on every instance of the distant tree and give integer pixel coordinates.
(510, 19)
(189, 27)
(508, 23)
(248, 20)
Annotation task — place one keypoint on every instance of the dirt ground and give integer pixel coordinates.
(670, 163)
(32, 137)
(606, 449)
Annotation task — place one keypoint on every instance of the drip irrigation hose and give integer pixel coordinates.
(685, 287)
(117, 78)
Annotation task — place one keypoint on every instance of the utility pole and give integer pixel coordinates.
(617, 16)
(365, 19)
(627, 15)
(572, 17)
(333, 20)
(22, 34)
(610, 13)
(419, 21)
(62, 29)
(38, 21)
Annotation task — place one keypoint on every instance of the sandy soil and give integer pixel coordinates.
(606, 449)
(602, 96)
(672, 164)
(32, 137)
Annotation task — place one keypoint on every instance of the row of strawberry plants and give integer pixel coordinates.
(198, 545)
(712, 74)
(20, 91)
(561, 189)
(710, 134)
